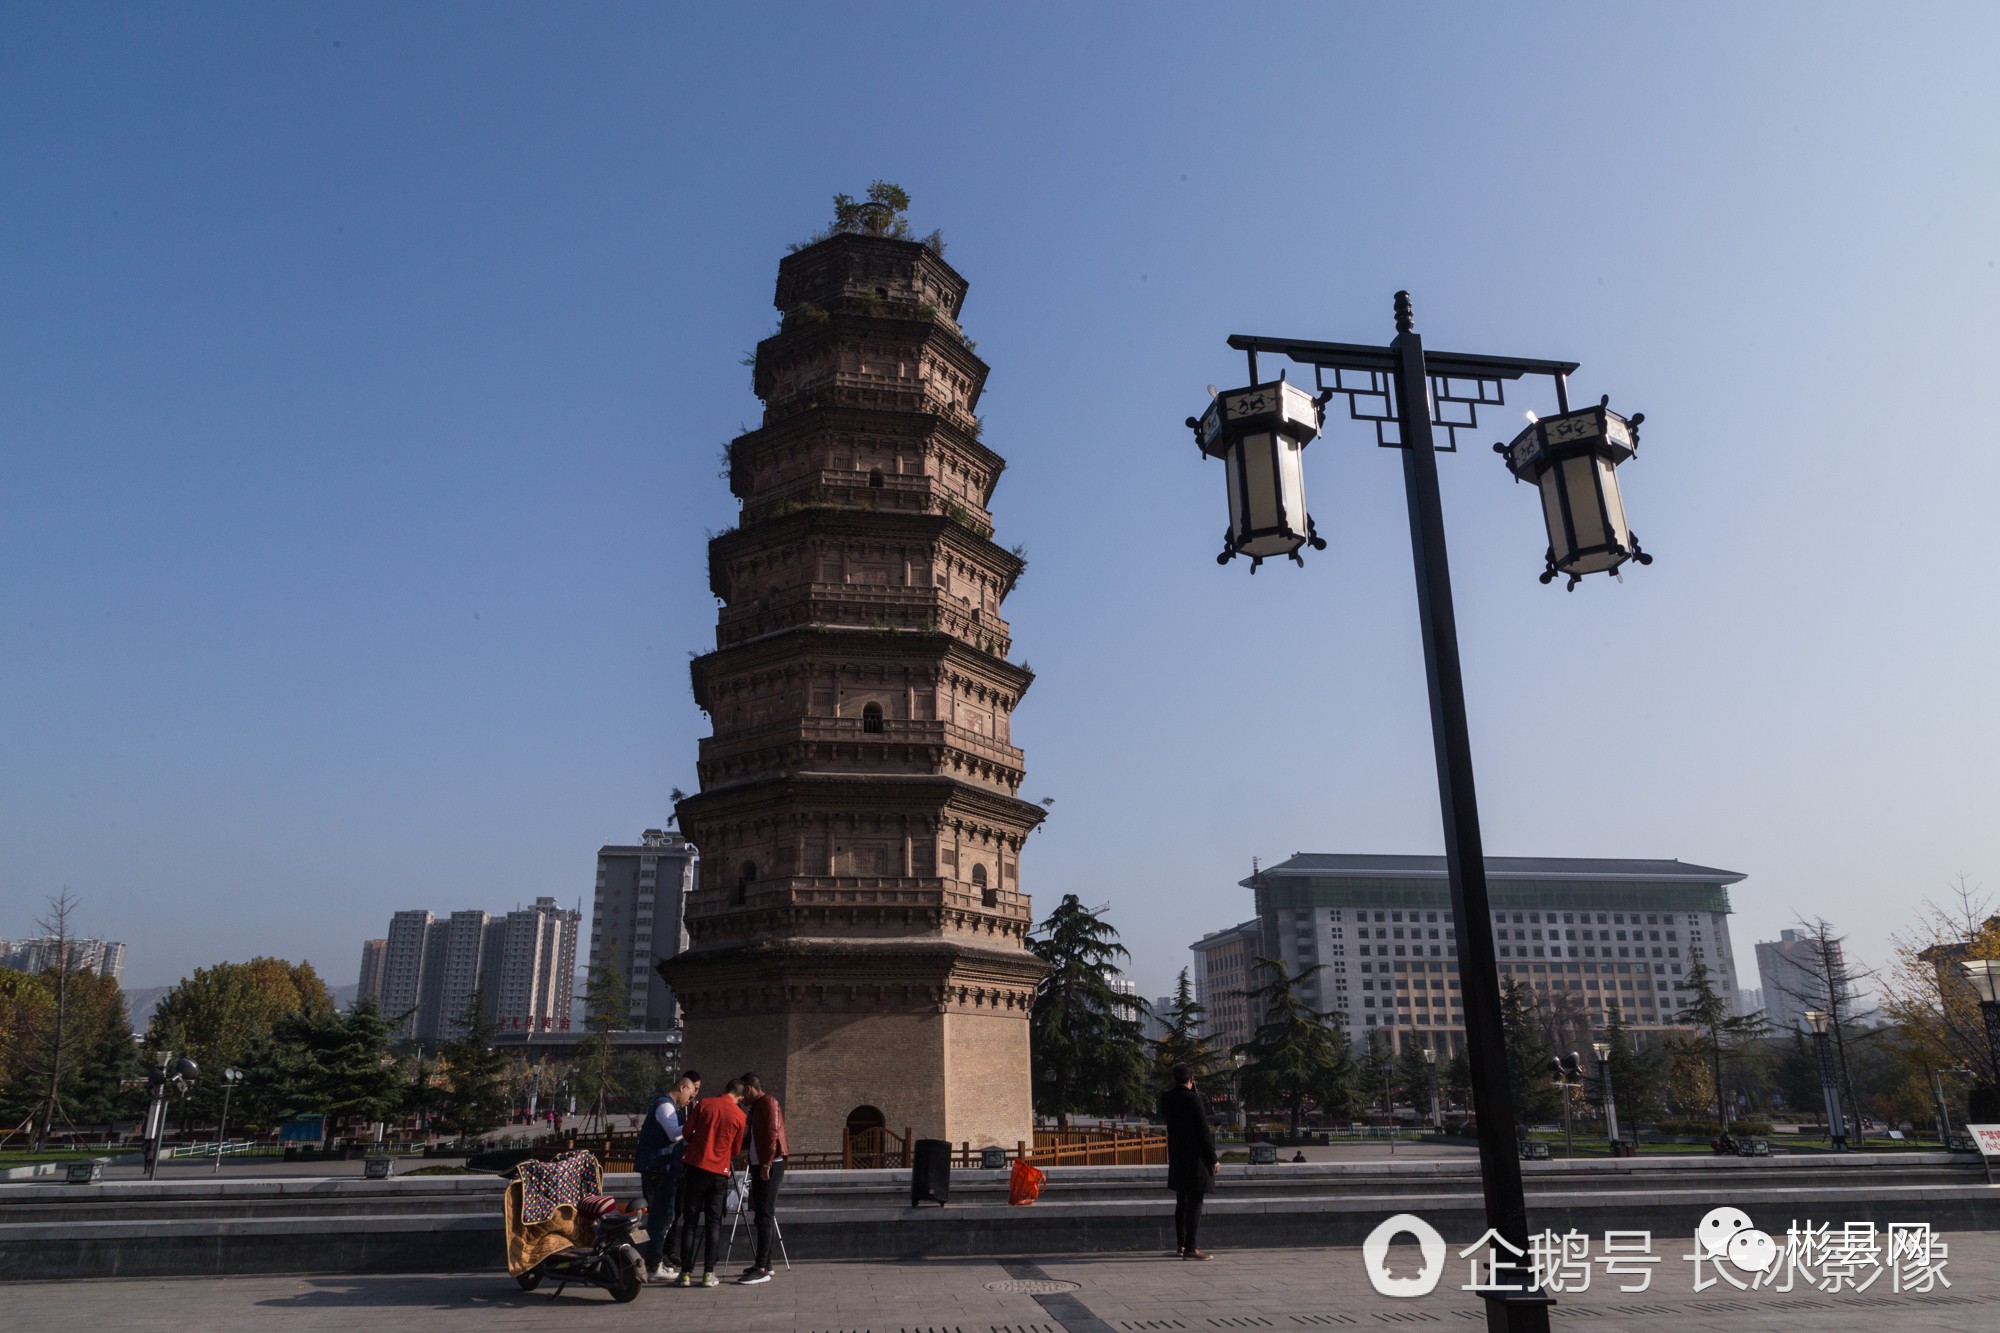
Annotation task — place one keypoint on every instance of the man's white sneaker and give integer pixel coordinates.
(663, 1273)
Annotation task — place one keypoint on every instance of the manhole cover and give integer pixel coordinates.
(1033, 1286)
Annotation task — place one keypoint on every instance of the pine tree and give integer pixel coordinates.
(1376, 1074)
(1295, 1054)
(106, 1086)
(475, 1074)
(1183, 1043)
(315, 1062)
(1088, 1051)
(607, 1006)
(1413, 1078)
(1720, 1035)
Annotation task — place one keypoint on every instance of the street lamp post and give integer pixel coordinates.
(1602, 1050)
(1259, 433)
(230, 1078)
(1984, 974)
(1431, 1067)
(1836, 1126)
(1568, 1073)
(182, 1077)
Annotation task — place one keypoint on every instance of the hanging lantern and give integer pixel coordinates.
(1572, 458)
(1260, 434)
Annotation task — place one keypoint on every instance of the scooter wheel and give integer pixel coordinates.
(530, 1279)
(628, 1274)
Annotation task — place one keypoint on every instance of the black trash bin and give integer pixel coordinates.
(930, 1171)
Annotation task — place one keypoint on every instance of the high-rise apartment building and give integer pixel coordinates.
(636, 919)
(537, 968)
(523, 964)
(373, 954)
(1382, 932)
(1798, 969)
(403, 971)
(1223, 961)
(104, 957)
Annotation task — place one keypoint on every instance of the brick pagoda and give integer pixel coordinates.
(858, 927)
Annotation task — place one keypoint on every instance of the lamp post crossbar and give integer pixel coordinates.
(1402, 376)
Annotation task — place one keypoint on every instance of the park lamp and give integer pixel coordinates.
(1572, 458)
(1984, 974)
(1816, 1020)
(1430, 1055)
(1602, 1049)
(1260, 433)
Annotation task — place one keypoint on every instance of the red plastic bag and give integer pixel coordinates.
(1024, 1185)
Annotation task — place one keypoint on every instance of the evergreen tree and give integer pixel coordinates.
(1375, 1077)
(1088, 1051)
(607, 1008)
(1798, 1077)
(316, 1062)
(1183, 1043)
(1638, 1074)
(109, 1081)
(475, 1097)
(1413, 1078)
(1722, 1038)
(1455, 1081)
(1296, 1051)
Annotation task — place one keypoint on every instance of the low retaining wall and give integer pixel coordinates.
(453, 1224)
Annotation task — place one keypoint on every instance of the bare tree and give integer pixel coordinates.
(1824, 978)
(55, 1045)
(1561, 1020)
(1926, 996)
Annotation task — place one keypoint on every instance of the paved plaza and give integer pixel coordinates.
(1243, 1290)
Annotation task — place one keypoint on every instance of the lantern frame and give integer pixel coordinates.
(1260, 433)
(1984, 974)
(1572, 458)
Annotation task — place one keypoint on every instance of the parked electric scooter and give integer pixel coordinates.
(609, 1262)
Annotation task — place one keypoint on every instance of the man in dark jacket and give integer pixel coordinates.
(657, 1159)
(1191, 1159)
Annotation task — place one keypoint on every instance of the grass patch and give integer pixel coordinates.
(58, 1155)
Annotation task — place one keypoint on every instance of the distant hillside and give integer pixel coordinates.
(142, 1000)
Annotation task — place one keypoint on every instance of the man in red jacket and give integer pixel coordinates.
(713, 1134)
(767, 1172)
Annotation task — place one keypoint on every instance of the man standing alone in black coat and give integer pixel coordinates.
(1191, 1159)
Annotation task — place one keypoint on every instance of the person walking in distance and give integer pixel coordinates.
(658, 1162)
(1191, 1159)
(714, 1133)
(767, 1172)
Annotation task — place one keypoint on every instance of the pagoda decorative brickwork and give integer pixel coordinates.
(858, 929)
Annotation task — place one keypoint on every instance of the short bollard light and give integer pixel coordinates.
(1260, 433)
(1573, 459)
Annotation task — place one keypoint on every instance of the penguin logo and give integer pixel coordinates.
(1375, 1256)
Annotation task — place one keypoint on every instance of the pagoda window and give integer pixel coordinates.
(875, 479)
(871, 718)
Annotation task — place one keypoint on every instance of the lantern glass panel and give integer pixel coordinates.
(1552, 514)
(1265, 507)
(1614, 503)
(1586, 516)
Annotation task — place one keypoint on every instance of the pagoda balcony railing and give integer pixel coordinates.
(852, 891)
(856, 731)
(847, 489)
(864, 606)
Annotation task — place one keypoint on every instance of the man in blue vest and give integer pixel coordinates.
(658, 1162)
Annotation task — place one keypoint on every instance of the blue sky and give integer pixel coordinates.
(363, 371)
